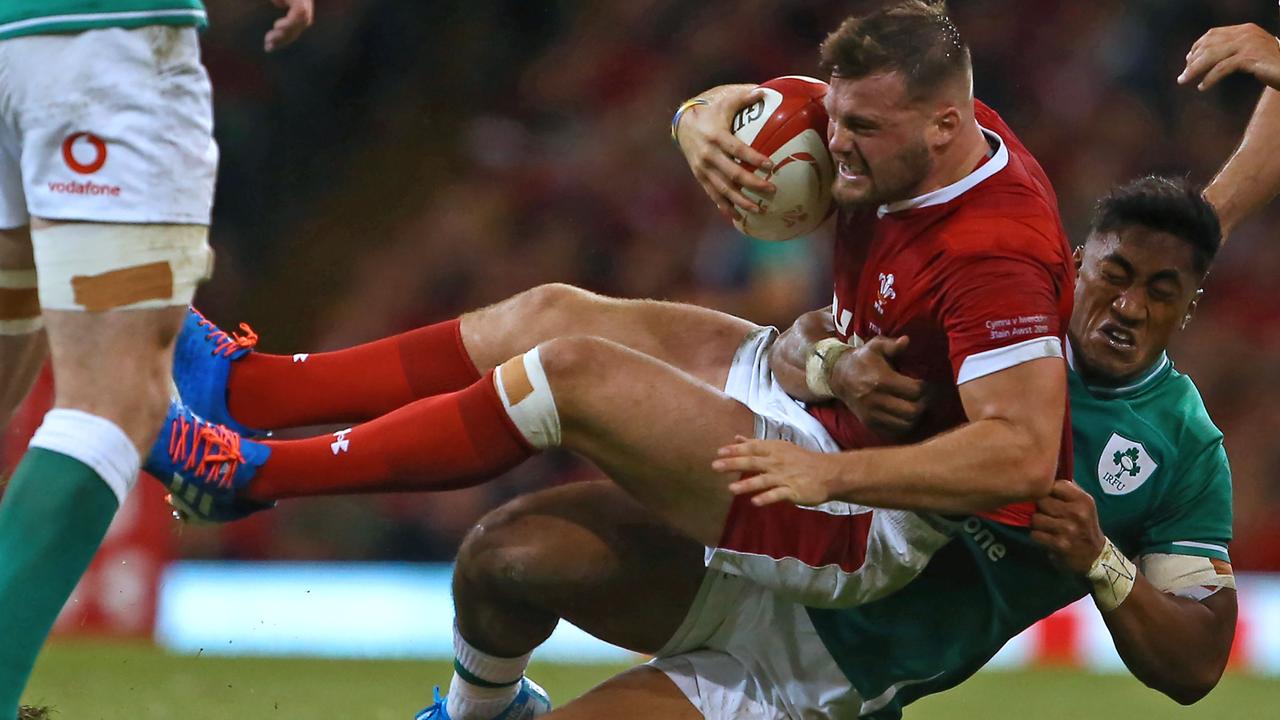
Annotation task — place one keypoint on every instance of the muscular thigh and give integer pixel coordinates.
(594, 556)
(641, 693)
(697, 340)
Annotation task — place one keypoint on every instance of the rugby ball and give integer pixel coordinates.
(789, 125)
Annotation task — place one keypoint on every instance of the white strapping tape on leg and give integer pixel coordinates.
(96, 267)
(94, 441)
(534, 410)
(19, 315)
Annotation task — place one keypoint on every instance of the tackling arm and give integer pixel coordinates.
(1173, 644)
(789, 355)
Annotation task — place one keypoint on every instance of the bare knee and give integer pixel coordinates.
(569, 359)
(496, 333)
(556, 298)
(497, 556)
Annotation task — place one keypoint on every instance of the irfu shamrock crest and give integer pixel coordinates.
(1127, 461)
(1124, 465)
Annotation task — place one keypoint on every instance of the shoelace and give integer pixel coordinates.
(434, 711)
(221, 456)
(224, 342)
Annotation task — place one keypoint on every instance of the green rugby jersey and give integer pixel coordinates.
(42, 17)
(1155, 464)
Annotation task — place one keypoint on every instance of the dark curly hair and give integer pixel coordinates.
(913, 37)
(1166, 204)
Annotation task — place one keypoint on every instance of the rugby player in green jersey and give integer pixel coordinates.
(1153, 484)
(107, 165)
(1151, 471)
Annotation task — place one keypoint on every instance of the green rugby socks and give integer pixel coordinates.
(54, 514)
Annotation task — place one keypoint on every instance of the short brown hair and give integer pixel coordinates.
(912, 37)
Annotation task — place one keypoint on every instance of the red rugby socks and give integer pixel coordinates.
(352, 385)
(445, 442)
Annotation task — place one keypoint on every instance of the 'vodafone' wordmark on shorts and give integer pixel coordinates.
(84, 153)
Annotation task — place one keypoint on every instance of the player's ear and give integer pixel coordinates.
(944, 126)
(1077, 257)
(1191, 310)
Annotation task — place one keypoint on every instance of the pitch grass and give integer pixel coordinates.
(93, 681)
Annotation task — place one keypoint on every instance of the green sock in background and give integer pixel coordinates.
(53, 516)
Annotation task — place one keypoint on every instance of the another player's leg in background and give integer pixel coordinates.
(23, 346)
(112, 386)
(363, 382)
(587, 553)
(640, 693)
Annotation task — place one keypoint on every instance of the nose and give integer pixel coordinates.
(1129, 307)
(840, 142)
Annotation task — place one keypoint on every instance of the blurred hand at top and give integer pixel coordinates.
(298, 17)
(1226, 50)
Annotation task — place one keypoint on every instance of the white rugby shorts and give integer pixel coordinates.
(112, 125)
(834, 555)
(746, 652)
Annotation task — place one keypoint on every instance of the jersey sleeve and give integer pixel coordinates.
(1194, 517)
(998, 311)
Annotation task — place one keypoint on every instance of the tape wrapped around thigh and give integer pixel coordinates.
(96, 267)
(19, 303)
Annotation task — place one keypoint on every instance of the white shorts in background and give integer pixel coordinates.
(111, 125)
(836, 554)
(745, 652)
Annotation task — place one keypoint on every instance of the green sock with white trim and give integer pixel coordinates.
(52, 519)
(54, 514)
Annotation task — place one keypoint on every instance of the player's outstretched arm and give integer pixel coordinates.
(702, 128)
(1006, 453)
(1251, 176)
(1173, 644)
(298, 17)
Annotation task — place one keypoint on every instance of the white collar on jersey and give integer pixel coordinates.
(959, 187)
(1137, 384)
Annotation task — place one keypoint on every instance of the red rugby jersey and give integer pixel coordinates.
(978, 274)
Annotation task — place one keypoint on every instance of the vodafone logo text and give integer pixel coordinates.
(85, 153)
(84, 188)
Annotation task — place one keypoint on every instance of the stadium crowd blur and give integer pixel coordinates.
(409, 160)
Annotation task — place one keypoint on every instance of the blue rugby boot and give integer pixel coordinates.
(205, 466)
(202, 358)
(530, 702)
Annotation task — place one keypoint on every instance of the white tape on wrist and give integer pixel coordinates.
(1112, 576)
(817, 367)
